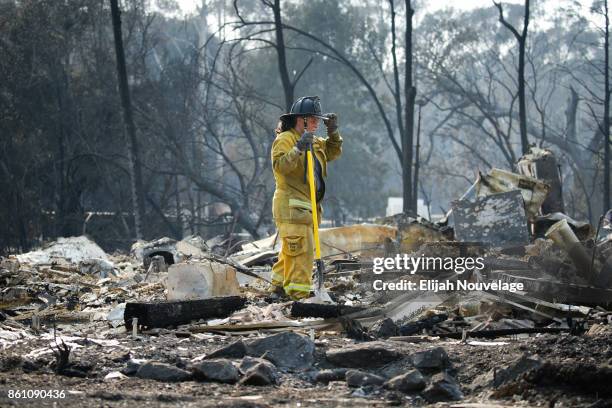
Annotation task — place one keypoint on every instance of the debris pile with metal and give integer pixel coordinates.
(190, 311)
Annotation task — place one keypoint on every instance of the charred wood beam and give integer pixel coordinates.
(299, 309)
(427, 323)
(166, 314)
(491, 334)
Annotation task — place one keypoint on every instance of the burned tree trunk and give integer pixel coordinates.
(128, 119)
(606, 115)
(521, 81)
(288, 86)
(417, 164)
(522, 40)
(570, 115)
(410, 95)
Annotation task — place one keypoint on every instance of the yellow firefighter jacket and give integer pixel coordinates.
(291, 203)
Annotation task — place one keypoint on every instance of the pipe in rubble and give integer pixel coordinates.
(561, 233)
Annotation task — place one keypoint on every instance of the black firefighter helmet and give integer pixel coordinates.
(306, 106)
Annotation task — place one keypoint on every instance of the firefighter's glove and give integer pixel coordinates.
(332, 123)
(305, 141)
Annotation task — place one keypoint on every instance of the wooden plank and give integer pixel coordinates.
(264, 325)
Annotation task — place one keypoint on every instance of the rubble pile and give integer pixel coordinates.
(190, 322)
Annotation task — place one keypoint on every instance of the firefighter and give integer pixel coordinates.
(291, 206)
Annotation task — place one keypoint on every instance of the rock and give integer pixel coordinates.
(434, 359)
(516, 368)
(286, 350)
(357, 378)
(234, 350)
(11, 362)
(412, 381)
(259, 374)
(325, 376)
(29, 366)
(107, 395)
(384, 328)
(248, 362)
(509, 373)
(73, 372)
(84, 366)
(443, 387)
(258, 371)
(162, 372)
(132, 366)
(363, 355)
(222, 371)
(396, 368)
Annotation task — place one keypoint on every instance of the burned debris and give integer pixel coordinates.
(180, 312)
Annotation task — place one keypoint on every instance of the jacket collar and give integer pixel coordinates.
(295, 133)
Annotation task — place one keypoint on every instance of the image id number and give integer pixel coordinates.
(34, 394)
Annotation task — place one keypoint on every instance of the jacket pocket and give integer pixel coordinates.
(293, 246)
(299, 212)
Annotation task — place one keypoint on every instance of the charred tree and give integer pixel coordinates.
(280, 48)
(417, 163)
(128, 119)
(570, 115)
(288, 86)
(606, 114)
(410, 97)
(521, 38)
(339, 56)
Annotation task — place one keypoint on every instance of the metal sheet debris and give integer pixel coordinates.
(497, 220)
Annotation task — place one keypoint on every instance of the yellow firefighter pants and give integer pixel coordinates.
(293, 271)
